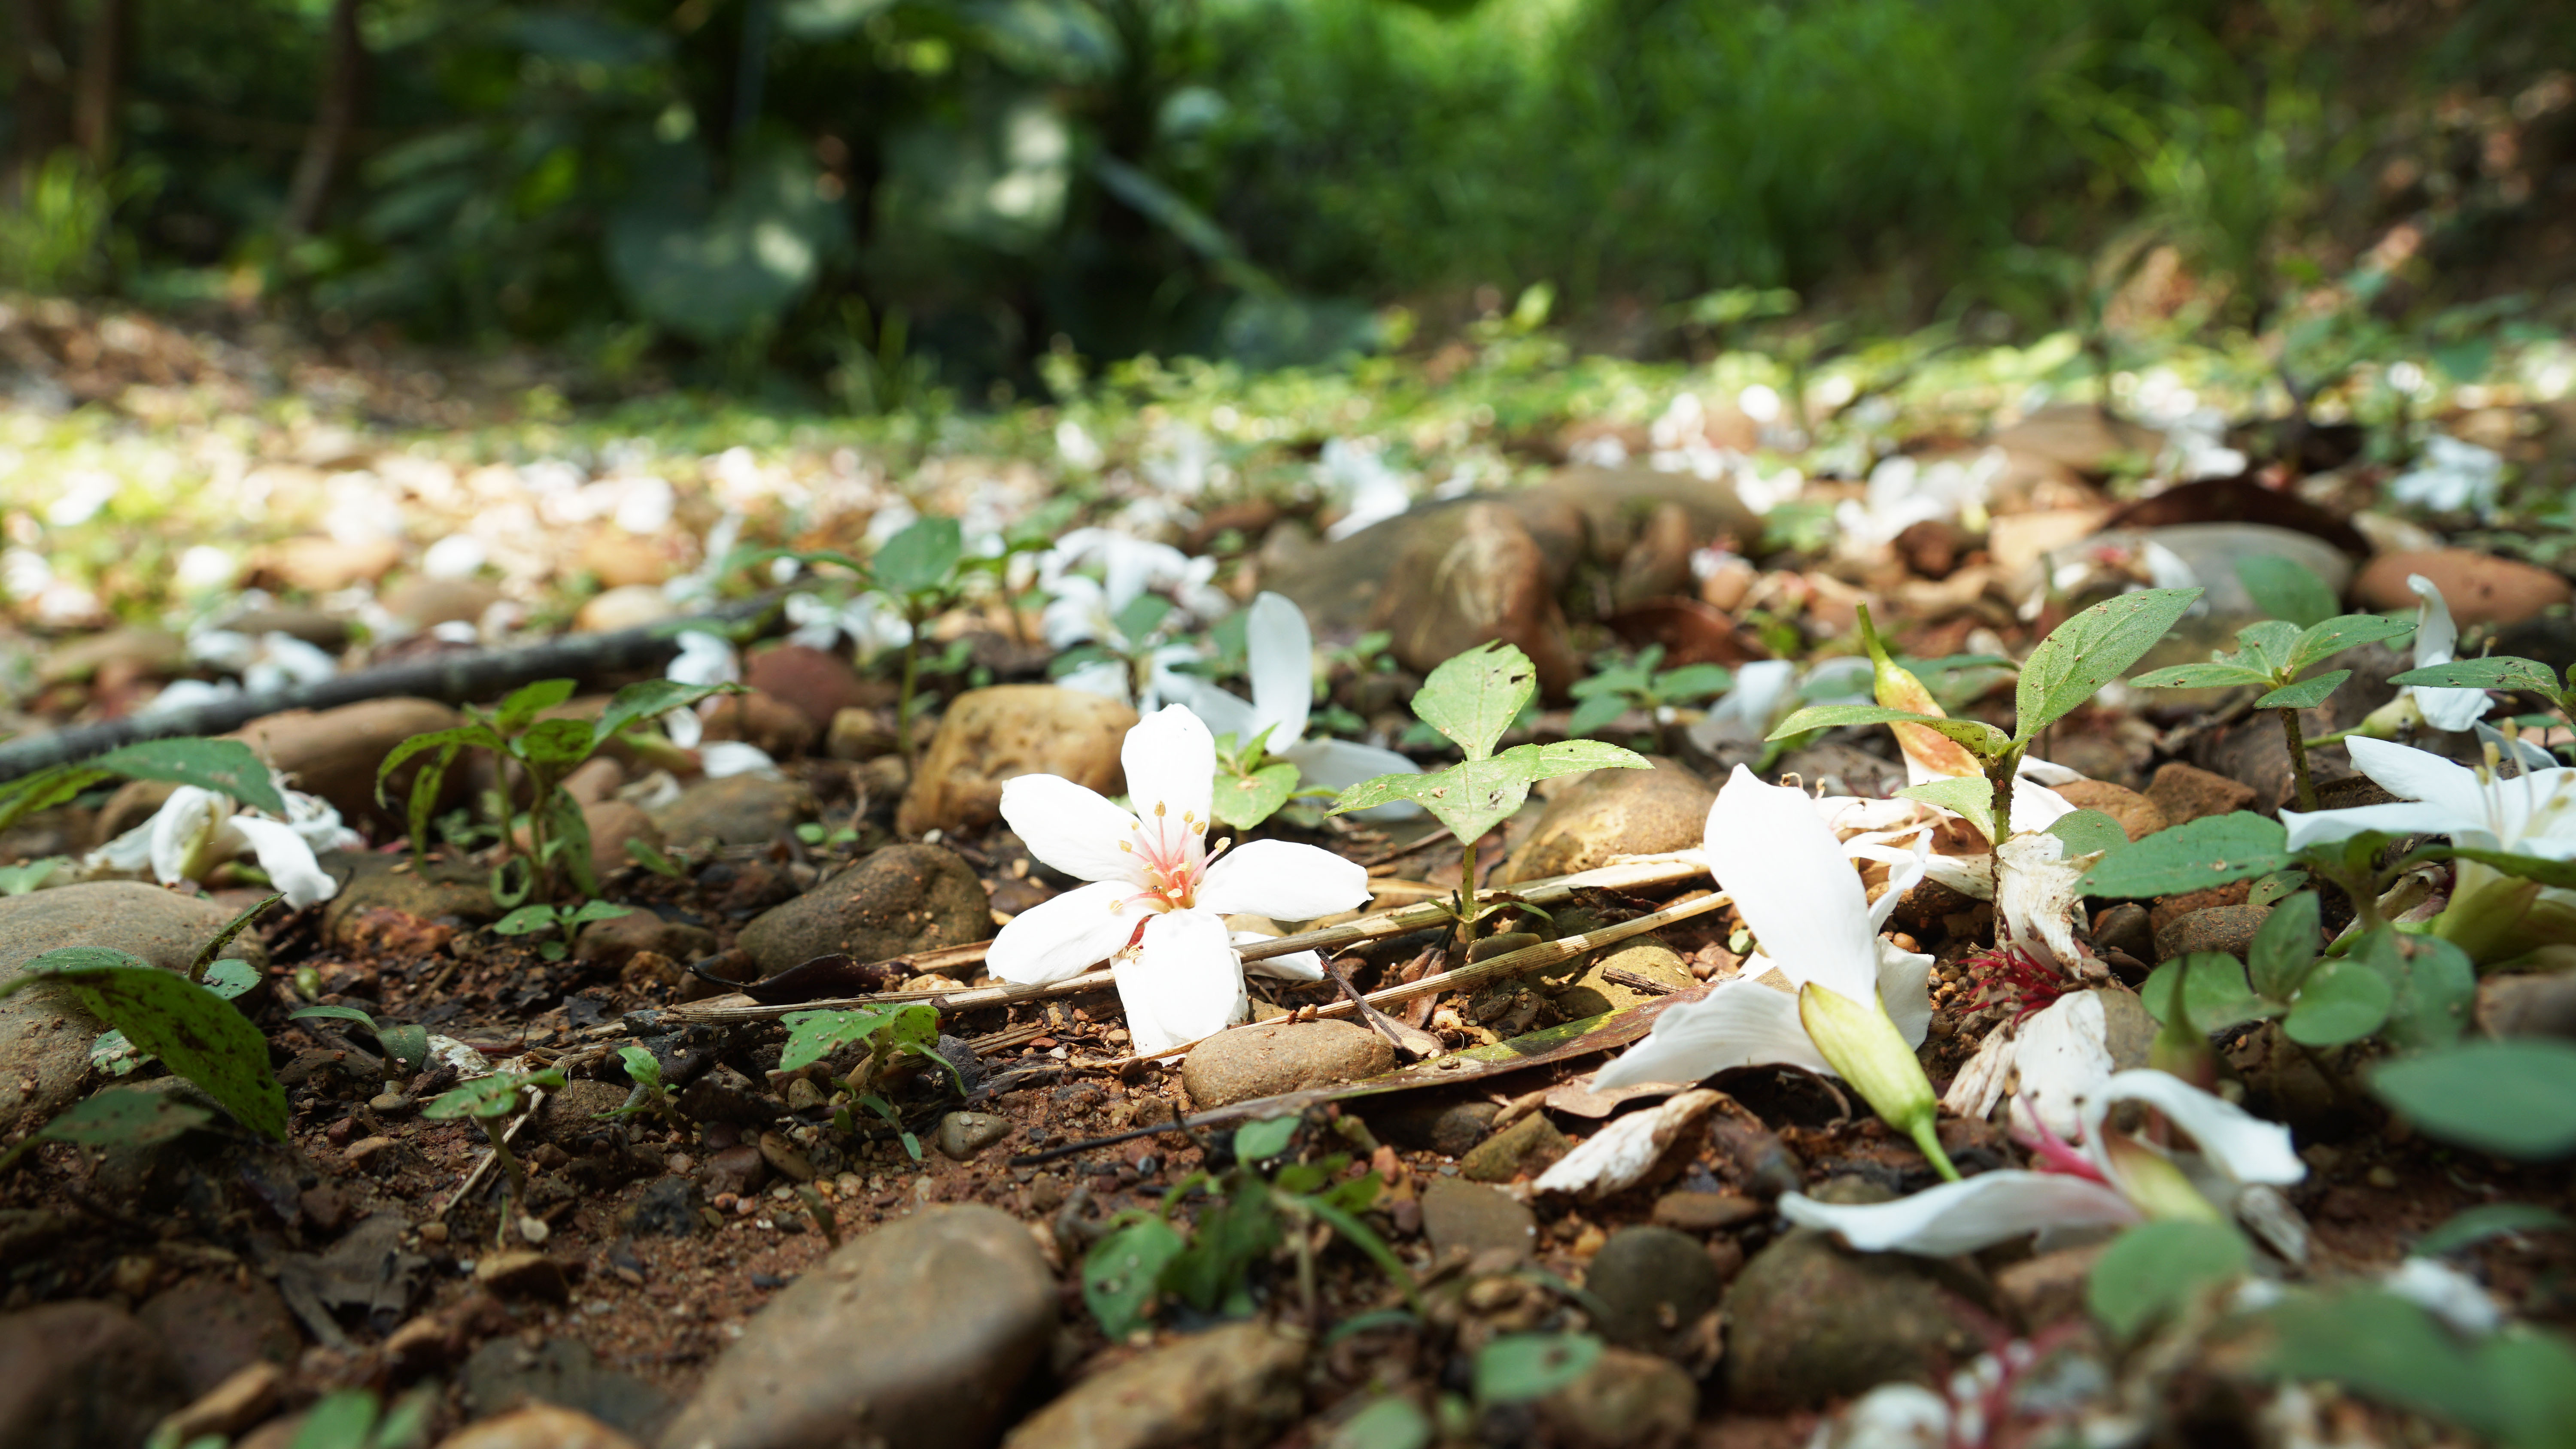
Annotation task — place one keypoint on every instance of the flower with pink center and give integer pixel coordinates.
(1158, 893)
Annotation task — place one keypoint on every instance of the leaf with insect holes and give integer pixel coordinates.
(1122, 1270)
(1474, 696)
(554, 745)
(2267, 645)
(493, 1096)
(2528, 676)
(2213, 675)
(195, 1032)
(1245, 800)
(1972, 797)
(2351, 631)
(2154, 1268)
(814, 1035)
(125, 1117)
(2516, 1098)
(1982, 738)
(2088, 832)
(919, 558)
(2212, 850)
(1474, 795)
(2306, 694)
(2088, 651)
(2286, 589)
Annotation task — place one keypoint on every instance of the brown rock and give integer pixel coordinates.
(1530, 1145)
(1657, 565)
(1626, 1400)
(1271, 1057)
(902, 898)
(2138, 815)
(326, 565)
(216, 1324)
(614, 942)
(631, 607)
(2542, 1004)
(2480, 588)
(334, 753)
(2172, 908)
(82, 1375)
(622, 560)
(1233, 1387)
(153, 652)
(2049, 1287)
(1476, 1220)
(522, 1273)
(425, 602)
(240, 1401)
(1808, 1322)
(378, 903)
(736, 810)
(1592, 991)
(1613, 812)
(593, 780)
(1488, 579)
(780, 729)
(2080, 437)
(613, 826)
(816, 683)
(2221, 928)
(2184, 793)
(859, 734)
(538, 1426)
(1704, 1212)
(992, 735)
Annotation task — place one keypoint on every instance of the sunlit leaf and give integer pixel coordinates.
(2090, 650)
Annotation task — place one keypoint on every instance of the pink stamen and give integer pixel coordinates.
(2055, 1153)
(1172, 859)
(2011, 976)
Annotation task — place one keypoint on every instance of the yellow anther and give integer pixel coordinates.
(1158, 809)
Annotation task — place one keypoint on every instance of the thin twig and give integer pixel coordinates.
(536, 1099)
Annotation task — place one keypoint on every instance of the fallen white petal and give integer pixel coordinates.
(1072, 828)
(2243, 1146)
(1284, 881)
(287, 859)
(1184, 984)
(1738, 1024)
(1170, 759)
(1059, 939)
(1792, 884)
(1962, 1217)
(2065, 1060)
(1620, 1155)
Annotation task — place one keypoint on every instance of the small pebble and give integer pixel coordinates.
(433, 1232)
(535, 1231)
(391, 1104)
(2382, 1177)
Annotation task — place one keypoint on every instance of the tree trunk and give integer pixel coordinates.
(335, 117)
(102, 78)
(39, 44)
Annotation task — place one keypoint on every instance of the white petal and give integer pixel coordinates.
(1738, 1024)
(1962, 1217)
(2238, 1143)
(2064, 1057)
(2436, 636)
(2452, 709)
(1071, 827)
(180, 830)
(1340, 764)
(685, 728)
(704, 658)
(2447, 1294)
(2405, 817)
(1284, 881)
(131, 851)
(2412, 774)
(1283, 667)
(2039, 898)
(1891, 1416)
(2519, 749)
(1981, 1083)
(1904, 988)
(720, 758)
(1222, 712)
(1106, 678)
(1060, 939)
(2046, 772)
(287, 859)
(1185, 984)
(1171, 762)
(1295, 966)
(2037, 807)
(1908, 873)
(1792, 885)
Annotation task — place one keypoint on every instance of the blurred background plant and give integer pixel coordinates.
(884, 204)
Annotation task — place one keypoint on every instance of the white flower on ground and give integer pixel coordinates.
(1282, 655)
(2436, 640)
(1353, 475)
(196, 830)
(1903, 491)
(2114, 1179)
(271, 661)
(1158, 896)
(704, 658)
(1084, 609)
(1793, 886)
(867, 620)
(2451, 476)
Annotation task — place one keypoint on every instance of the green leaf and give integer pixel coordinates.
(1969, 796)
(198, 1034)
(2087, 832)
(2306, 694)
(207, 953)
(230, 979)
(641, 1065)
(1260, 1141)
(2435, 985)
(920, 558)
(2088, 651)
(44, 790)
(651, 699)
(2284, 947)
(2272, 889)
(125, 1117)
(1473, 796)
(2154, 1268)
(1142, 615)
(1474, 696)
(596, 911)
(528, 701)
(1244, 801)
(407, 1045)
(2342, 1001)
(2212, 850)
(2213, 675)
(2286, 589)
(1121, 1271)
(814, 1035)
(334, 1013)
(2560, 873)
(494, 1096)
(2471, 1226)
(2514, 1098)
(1594, 713)
(31, 875)
(227, 767)
(447, 742)
(2504, 671)
(526, 921)
(2514, 1388)
(2267, 645)
(1570, 757)
(2350, 631)
(1693, 682)
(555, 746)
(342, 1420)
(1390, 1423)
(2214, 992)
(1518, 1367)
(1981, 738)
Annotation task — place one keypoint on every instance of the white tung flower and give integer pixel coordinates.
(1159, 895)
(1282, 653)
(2533, 813)
(2437, 639)
(196, 830)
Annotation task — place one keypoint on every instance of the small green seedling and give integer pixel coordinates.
(488, 1100)
(1514, 1368)
(1641, 686)
(545, 750)
(406, 1047)
(2273, 654)
(116, 1117)
(911, 1029)
(1251, 783)
(650, 1096)
(28, 876)
(564, 921)
(114, 1054)
(1472, 699)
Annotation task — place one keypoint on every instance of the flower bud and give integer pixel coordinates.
(2151, 1182)
(1863, 1046)
(1897, 688)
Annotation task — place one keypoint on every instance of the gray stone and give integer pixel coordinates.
(1624, 1401)
(1654, 1284)
(1233, 1387)
(1704, 1212)
(612, 943)
(508, 1373)
(1528, 1145)
(1613, 812)
(1276, 1056)
(919, 1333)
(963, 1134)
(371, 884)
(902, 898)
(1809, 1322)
(82, 1375)
(2220, 928)
(569, 1117)
(1478, 1219)
(1451, 1129)
(216, 1325)
(736, 810)
(44, 1036)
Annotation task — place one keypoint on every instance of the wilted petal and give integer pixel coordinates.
(1185, 984)
(2236, 1142)
(1295, 966)
(1282, 651)
(1171, 764)
(1792, 885)
(181, 829)
(2064, 1058)
(287, 859)
(2039, 897)
(1060, 939)
(1962, 1217)
(1284, 881)
(1904, 988)
(1738, 1024)
(1071, 827)
(1620, 1155)
(131, 851)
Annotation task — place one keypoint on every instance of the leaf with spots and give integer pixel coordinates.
(2090, 650)
(197, 1033)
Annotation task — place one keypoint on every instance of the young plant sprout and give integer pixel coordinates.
(1159, 893)
(406, 1048)
(1658, 694)
(488, 1100)
(1473, 698)
(564, 921)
